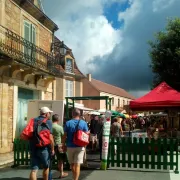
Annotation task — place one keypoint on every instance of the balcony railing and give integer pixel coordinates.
(25, 52)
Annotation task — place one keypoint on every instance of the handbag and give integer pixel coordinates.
(80, 137)
(27, 133)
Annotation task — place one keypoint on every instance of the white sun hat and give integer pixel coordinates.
(45, 110)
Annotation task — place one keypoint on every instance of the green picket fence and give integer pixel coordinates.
(22, 155)
(160, 154)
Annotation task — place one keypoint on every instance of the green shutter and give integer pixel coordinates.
(33, 38)
(27, 31)
(27, 36)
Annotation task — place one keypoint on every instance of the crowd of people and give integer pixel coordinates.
(47, 139)
(60, 140)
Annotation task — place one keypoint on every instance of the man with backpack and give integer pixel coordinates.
(41, 144)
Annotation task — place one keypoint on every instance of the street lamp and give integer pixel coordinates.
(62, 49)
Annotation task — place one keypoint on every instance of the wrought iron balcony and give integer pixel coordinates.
(25, 52)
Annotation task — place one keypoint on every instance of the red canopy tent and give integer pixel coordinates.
(161, 97)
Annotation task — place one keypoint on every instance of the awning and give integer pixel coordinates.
(79, 106)
(161, 97)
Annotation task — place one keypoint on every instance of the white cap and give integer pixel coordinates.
(45, 110)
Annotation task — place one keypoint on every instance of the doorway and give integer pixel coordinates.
(24, 95)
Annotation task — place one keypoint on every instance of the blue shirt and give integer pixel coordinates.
(70, 129)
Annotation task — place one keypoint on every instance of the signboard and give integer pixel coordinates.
(105, 139)
(138, 135)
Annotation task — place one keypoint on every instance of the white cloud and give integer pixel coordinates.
(89, 38)
(98, 47)
(85, 30)
(131, 12)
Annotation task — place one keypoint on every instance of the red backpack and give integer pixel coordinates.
(27, 133)
(41, 134)
(38, 131)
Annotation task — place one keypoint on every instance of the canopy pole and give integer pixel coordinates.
(110, 103)
(67, 108)
(106, 103)
(73, 103)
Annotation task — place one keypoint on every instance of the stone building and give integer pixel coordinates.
(34, 64)
(69, 83)
(93, 87)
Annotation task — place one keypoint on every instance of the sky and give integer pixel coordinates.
(109, 38)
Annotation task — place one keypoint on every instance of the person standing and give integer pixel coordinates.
(41, 155)
(58, 133)
(100, 134)
(75, 153)
(116, 131)
(93, 131)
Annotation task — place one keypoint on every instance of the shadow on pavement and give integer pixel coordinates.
(14, 178)
(83, 175)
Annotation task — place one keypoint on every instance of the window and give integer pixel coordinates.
(69, 65)
(29, 35)
(123, 103)
(118, 102)
(112, 101)
(69, 88)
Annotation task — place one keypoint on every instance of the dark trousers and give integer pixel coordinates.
(100, 147)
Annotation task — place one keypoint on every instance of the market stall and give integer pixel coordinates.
(161, 97)
(165, 98)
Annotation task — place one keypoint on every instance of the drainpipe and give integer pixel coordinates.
(52, 44)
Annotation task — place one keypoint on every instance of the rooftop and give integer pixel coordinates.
(108, 88)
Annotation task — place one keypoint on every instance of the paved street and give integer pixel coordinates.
(22, 173)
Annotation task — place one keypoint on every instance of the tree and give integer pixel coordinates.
(165, 55)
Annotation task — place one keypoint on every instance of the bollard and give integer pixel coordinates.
(105, 139)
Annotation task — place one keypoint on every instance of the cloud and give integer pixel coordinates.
(119, 57)
(84, 29)
(128, 65)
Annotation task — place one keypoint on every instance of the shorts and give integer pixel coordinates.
(60, 156)
(40, 157)
(75, 155)
(93, 137)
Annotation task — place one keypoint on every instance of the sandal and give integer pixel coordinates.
(64, 175)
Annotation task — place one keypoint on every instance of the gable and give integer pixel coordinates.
(108, 88)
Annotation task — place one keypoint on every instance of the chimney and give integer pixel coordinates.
(89, 77)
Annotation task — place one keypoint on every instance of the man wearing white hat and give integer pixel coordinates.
(41, 152)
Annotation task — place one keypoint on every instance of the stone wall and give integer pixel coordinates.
(10, 114)
(78, 90)
(1, 6)
(12, 16)
(6, 120)
(60, 88)
(48, 95)
(45, 39)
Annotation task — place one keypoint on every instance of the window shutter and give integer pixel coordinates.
(72, 89)
(27, 36)
(33, 39)
(27, 31)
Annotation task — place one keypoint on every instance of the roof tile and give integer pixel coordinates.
(108, 88)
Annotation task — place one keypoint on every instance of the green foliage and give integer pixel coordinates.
(165, 54)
